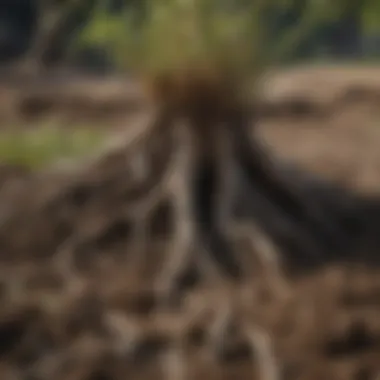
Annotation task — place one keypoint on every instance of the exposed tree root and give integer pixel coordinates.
(212, 158)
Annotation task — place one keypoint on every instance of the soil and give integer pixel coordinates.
(78, 305)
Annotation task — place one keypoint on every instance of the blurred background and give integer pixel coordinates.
(79, 33)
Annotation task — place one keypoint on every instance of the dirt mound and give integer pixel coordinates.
(82, 246)
(77, 304)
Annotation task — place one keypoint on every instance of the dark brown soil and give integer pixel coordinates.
(76, 305)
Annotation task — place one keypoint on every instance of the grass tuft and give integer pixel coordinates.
(45, 145)
(180, 33)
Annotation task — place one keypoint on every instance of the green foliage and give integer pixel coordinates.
(45, 145)
(106, 30)
(371, 16)
(174, 32)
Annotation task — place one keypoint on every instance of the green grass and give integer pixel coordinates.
(204, 32)
(177, 33)
(45, 145)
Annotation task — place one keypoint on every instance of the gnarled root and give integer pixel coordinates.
(257, 168)
(180, 251)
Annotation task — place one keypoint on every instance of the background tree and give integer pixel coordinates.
(47, 32)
